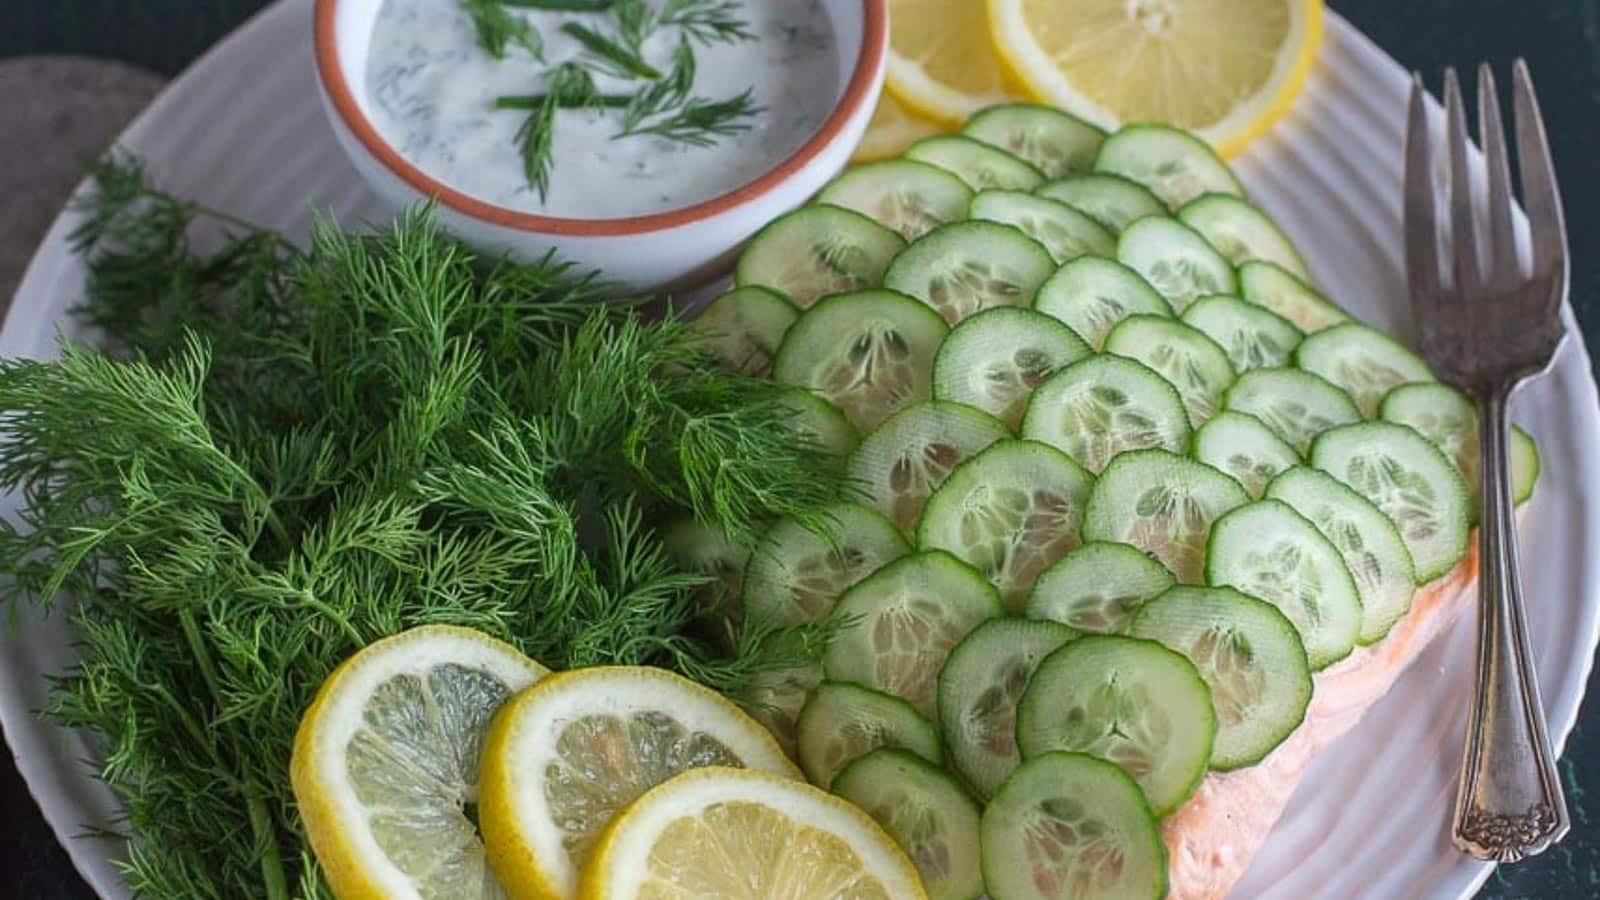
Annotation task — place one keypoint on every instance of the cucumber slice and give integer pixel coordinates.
(1063, 231)
(1251, 658)
(1054, 142)
(1163, 504)
(1369, 543)
(927, 813)
(842, 722)
(1176, 260)
(1175, 165)
(743, 328)
(979, 687)
(901, 621)
(910, 197)
(775, 697)
(1244, 448)
(1103, 406)
(1525, 465)
(1407, 478)
(795, 574)
(1132, 702)
(966, 267)
(1296, 405)
(1271, 552)
(1241, 232)
(902, 463)
(995, 359)
(1009, 512)
(1446, 417)
(1363, 361)
(1098, 587)
(1092, 294)
(1254, 336)
(1185, 357)
(1111, 200)
(869, 353)
(981, 166)
(816, 251)
(701, 549)
(1069, 825)
(1270, 285)
(822, 423)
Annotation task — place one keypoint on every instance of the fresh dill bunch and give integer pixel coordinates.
(427, 437)
(497, 29)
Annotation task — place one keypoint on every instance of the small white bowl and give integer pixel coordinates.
(674, 248)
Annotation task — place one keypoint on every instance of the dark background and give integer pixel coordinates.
(1561, 38)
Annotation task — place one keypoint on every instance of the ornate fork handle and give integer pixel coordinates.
(1511, 802)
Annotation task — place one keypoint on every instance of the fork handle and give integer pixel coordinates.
(1511, 804)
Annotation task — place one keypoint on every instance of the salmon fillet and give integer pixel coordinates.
(1212, 838)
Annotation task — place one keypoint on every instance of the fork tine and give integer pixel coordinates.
(1541, 197)
(1421, 214)
(1463, 226)
(1503, 266)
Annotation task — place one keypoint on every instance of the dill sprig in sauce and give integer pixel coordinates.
(663, 107)
(284, 454)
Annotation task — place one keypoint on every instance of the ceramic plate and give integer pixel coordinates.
(242, 130)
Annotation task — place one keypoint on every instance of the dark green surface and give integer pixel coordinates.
(1560, 37)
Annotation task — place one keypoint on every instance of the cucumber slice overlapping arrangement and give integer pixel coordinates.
(1123, 481)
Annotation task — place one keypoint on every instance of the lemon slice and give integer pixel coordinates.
(564, 757)
(741, 835)
(385, 764)
(1225, 69)
(893, 128)
(942, 65)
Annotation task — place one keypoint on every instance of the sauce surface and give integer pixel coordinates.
(431, 91)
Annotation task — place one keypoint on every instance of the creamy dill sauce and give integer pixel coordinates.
(431, 92)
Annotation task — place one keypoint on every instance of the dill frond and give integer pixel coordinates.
(701, 121)
(497, 29)
(567, 86)
(663, 94)
(706, 21)
(610, 56)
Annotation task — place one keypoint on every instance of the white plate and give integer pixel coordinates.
(242, 131)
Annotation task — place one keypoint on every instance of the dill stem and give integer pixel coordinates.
(349, 630)
(197, 648)
(273, 878)
(227, 219)
(535, 101)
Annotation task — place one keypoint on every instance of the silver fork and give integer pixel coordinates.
(1488, 322)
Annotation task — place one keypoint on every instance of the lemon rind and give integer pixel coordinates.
(351, 860)
(625, 843)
